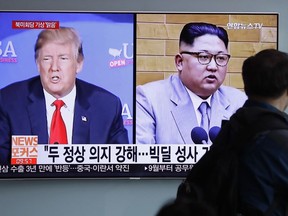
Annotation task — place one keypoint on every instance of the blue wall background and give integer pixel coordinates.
(97, 32)
(121, 197)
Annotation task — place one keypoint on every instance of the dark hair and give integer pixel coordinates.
(184, 208)
(196, 29)
(266, 74)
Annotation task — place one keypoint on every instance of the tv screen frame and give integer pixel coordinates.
(145, 62)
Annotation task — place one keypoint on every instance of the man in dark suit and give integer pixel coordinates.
(90, 114)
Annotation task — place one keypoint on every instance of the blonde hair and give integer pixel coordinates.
(64, 35)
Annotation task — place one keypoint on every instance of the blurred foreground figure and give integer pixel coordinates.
(246, 170)
(263, 170)
(185, 208)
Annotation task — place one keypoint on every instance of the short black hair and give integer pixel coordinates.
(266, 74)
(185, 208)
(196, 29)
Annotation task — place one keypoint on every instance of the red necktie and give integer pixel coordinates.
(58, 134)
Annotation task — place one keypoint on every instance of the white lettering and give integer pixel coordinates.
(258, 25)
(125, 50)
(8, 50)
(126, 111)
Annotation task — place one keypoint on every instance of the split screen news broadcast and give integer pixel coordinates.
(120, 94)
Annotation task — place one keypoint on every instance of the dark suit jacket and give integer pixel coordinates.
(23, 112)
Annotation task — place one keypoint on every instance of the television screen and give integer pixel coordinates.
(123, 51)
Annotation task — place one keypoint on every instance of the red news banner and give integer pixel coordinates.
(26, 24)
(25, 150)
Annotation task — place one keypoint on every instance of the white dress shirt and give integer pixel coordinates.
(67, 111)
(196, 100)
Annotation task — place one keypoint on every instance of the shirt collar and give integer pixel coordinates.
(69, 99)
(196, 100)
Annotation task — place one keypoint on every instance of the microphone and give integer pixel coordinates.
(199, 135)
(213, 132)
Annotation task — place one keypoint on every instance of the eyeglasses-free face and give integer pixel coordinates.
(205, 58)
(58, 67)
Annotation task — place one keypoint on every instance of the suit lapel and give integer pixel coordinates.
(183, 112)
(81, 122)
(37, 112)
(185, 119)
(219, 105)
